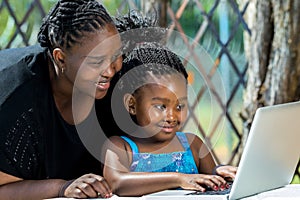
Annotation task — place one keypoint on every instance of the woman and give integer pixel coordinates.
(46, 91)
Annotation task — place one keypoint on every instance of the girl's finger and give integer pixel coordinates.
(214, 182)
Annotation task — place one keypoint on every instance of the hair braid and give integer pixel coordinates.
(68, 21)
(139, 28)
(148, 58)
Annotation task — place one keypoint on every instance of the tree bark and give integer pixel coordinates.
(257, 49)
(273, 52)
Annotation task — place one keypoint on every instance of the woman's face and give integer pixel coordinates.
(91, 64)
(161, 108)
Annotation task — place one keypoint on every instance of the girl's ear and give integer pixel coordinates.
(129, 102)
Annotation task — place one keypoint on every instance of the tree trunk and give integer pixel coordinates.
(273, 52)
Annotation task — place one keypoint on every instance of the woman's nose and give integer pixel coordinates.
(113, 68)
(108, 72)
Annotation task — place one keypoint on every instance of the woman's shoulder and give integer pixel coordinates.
(12, 56)
(17, 68)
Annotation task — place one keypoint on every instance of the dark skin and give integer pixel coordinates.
(161, 109)
(84, 71)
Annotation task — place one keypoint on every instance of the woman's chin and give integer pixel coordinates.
(100, 94)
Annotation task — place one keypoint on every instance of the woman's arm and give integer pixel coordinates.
(7, 178)
(86, 186)
(117, 158)
(12, 187)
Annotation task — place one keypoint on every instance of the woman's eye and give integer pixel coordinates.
(99, 62)
(95, 64)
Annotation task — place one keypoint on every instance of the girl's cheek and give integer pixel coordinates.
(155, 114)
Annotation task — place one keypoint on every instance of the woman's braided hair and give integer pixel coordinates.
(68, 21)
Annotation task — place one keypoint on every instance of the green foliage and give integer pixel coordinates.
(112, 6)
(25, 13)
(11, 36)
(296, 179)
(193, 18)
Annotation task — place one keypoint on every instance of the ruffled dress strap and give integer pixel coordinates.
(186, 145)
(183, 139)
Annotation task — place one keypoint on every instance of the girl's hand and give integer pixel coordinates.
(226, 171)
(87, 186)
(201, 181)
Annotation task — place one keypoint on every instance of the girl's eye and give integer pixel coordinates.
(160, 107)
(180, 107)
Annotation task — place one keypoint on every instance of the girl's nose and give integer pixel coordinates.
(171, 118)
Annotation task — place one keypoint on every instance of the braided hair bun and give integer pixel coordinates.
(135, 28)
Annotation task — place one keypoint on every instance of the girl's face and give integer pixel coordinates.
(161, 107)
(91, 64)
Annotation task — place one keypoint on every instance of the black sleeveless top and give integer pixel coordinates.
(36, 143)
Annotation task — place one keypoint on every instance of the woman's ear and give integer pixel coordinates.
(129, 102)
(59, 59)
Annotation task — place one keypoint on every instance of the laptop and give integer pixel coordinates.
(269, 159)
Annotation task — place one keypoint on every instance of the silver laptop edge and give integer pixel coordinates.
(272, 151)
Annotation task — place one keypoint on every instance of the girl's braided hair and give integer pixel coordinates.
(68, 21)
(135, 27)
(146, 51)
(148, 58)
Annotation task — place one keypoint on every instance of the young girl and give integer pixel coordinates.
(154, 155)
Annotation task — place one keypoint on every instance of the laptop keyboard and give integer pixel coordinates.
(210, 191)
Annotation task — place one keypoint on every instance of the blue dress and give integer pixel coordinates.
(181, 161)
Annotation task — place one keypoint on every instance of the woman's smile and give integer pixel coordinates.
(102, 85)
